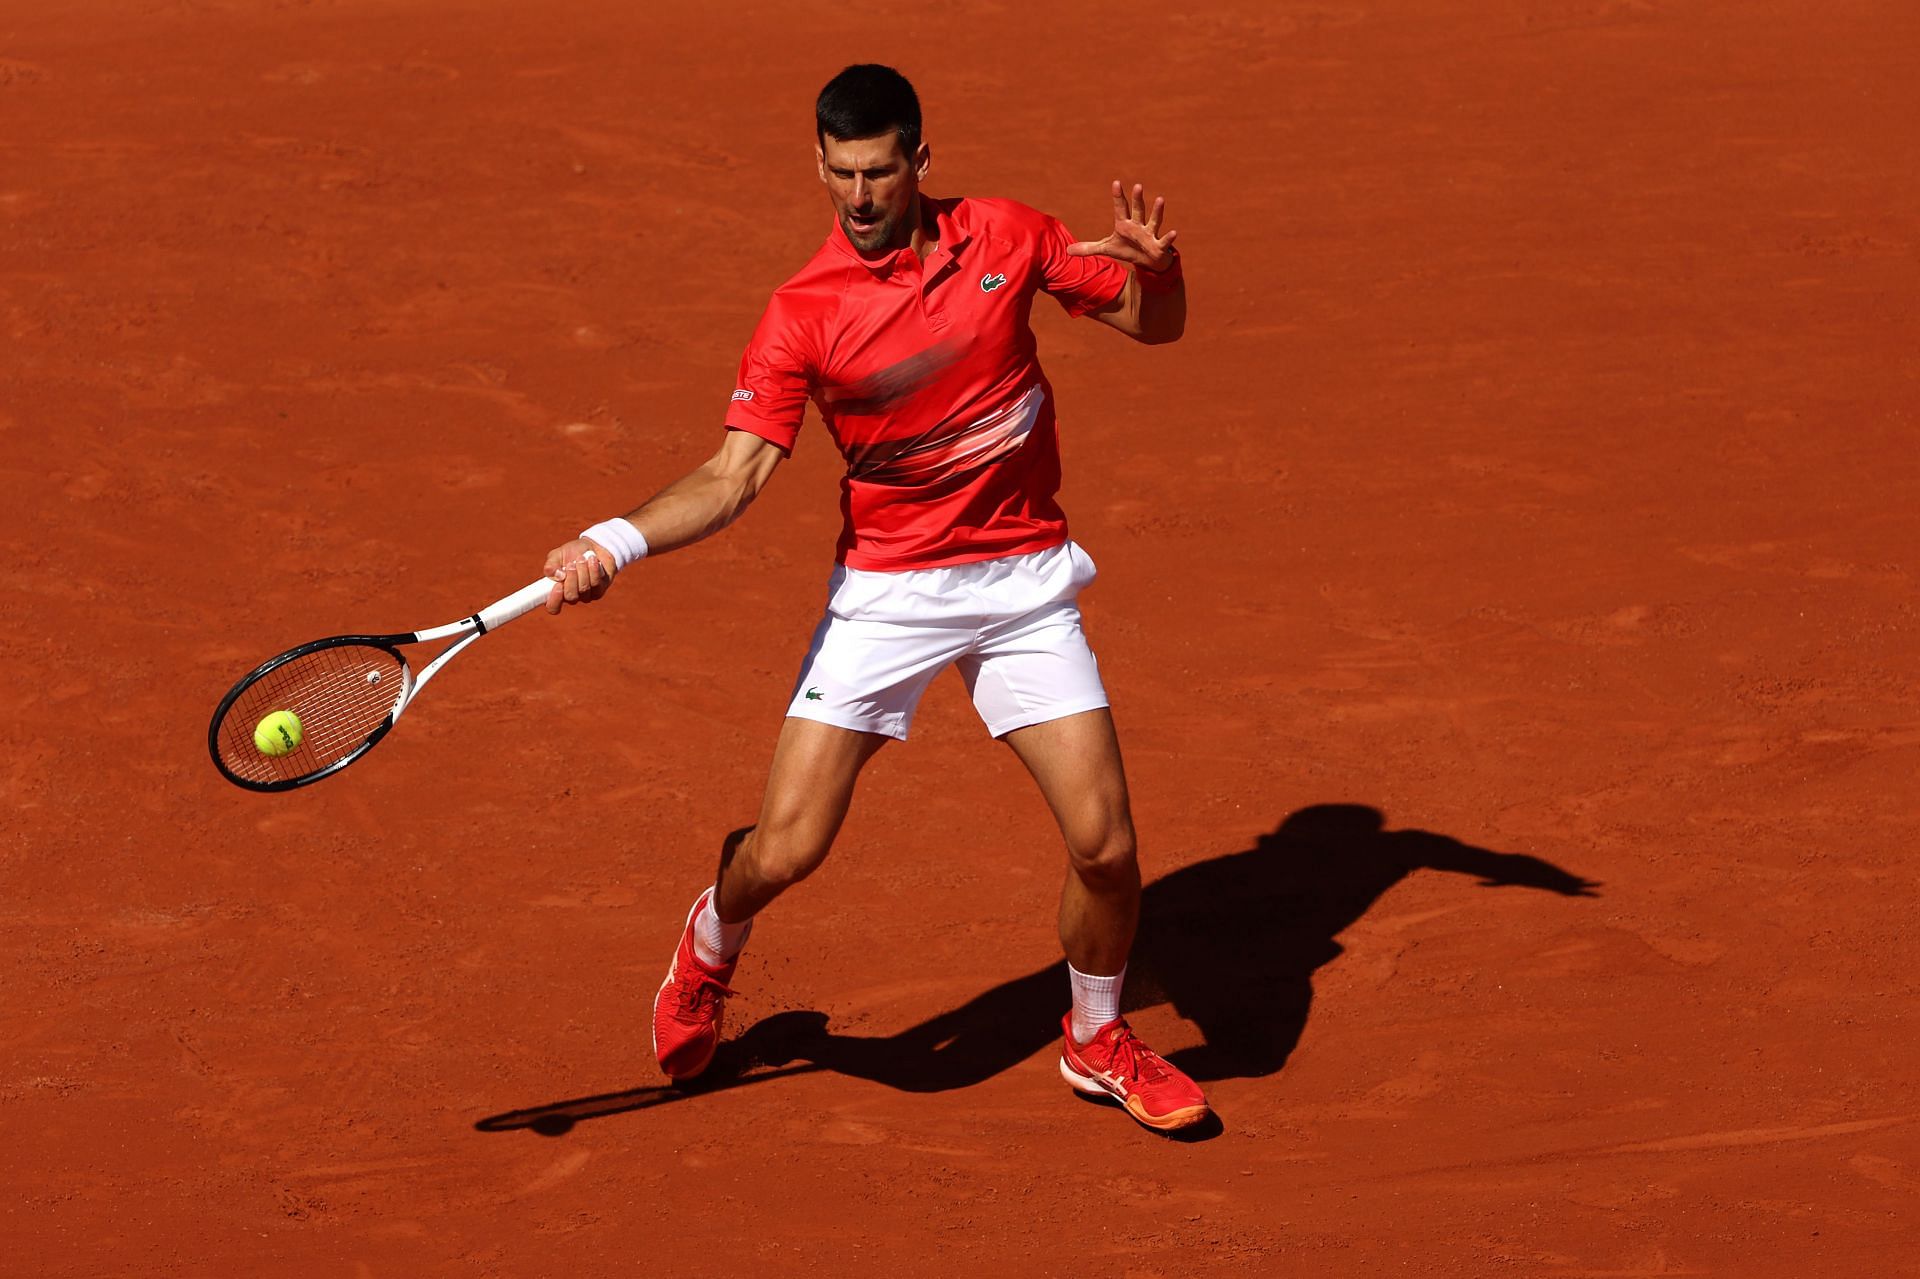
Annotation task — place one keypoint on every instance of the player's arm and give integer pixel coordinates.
(1152, 308)
(697, 505)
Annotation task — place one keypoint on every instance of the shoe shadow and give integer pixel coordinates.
(1230, 943)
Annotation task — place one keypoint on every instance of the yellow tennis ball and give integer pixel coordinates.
(277, 734)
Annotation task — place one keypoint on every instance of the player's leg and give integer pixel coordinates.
(809, 787)
(1037, 686)
(1075, 760)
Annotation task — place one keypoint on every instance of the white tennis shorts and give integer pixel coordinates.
(1011, 625)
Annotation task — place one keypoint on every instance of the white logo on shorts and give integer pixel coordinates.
(743, 395)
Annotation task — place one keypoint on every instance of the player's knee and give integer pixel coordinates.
(781, 855)
(1106, 856)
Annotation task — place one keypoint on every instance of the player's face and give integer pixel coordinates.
(872, 184)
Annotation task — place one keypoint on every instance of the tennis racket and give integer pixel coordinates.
(348, 691)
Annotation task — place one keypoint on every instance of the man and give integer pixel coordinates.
(909, 331)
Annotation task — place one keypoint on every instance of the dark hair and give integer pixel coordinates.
(866, 101)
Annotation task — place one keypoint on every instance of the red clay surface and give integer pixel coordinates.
(1536, 480)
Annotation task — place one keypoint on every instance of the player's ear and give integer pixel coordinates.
(820, 160)
(922, 161)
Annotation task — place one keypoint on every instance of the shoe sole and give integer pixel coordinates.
(1094, 1086)
(673, 969)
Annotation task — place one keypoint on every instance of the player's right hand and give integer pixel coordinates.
(579, 572)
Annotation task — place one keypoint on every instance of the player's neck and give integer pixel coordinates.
(926, 232)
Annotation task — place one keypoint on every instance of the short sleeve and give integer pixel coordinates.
(770, 396)
(1079, 285)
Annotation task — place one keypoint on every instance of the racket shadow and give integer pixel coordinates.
(760, 1055)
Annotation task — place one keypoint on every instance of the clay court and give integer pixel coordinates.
(1507, 592)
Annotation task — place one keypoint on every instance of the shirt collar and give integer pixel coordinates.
(952, 236)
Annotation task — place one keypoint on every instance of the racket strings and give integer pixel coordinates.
(342, 694)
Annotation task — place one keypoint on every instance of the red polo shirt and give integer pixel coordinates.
(927, 376)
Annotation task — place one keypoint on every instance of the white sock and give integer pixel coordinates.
(1096, 1001)
(717, 944)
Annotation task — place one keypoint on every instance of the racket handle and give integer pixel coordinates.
(521, 602)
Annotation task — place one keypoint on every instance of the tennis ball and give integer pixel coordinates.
(277, 734)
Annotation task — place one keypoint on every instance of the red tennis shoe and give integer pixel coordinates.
(688, 1009)
(1116, 1064)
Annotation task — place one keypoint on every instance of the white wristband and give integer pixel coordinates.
(622, 540)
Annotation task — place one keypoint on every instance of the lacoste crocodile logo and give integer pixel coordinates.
(813, 695)
(988, 283)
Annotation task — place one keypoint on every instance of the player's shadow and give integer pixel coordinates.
(1231, 943)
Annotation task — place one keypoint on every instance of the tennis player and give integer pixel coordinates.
(908, 330)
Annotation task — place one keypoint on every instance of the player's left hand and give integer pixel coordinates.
(1136, 238)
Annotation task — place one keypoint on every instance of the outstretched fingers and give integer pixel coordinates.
(1136, 236)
